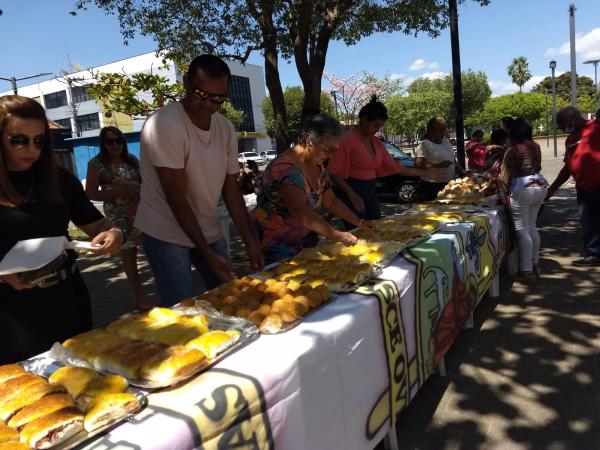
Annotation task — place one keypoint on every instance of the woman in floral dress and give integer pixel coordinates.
(113, 177)
(295, 186)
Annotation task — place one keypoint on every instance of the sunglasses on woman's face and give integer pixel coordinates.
(109, 141)
(215, 99)
(20, 141)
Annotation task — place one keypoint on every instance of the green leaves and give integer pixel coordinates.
(294, 99)
(408, 114)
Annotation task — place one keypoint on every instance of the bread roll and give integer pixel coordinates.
(8, 433)
(53, 428)
(26, 397)
(108, 384)
(128, 359)
(9, 371)
(92, 343)
(40, 408)
(214, 342)
(13, 387)
(172, 363)
(74, 379)
(14, 445)
(108, 408)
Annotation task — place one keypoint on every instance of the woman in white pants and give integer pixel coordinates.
(520, 173)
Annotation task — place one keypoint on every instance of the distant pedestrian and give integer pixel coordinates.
(520, 174)
(113, 177)
(582, 160)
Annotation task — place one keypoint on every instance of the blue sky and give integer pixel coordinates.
(36, 35)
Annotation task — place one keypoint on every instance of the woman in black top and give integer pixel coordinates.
(38, 200)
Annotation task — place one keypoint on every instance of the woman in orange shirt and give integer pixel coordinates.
(362, 158)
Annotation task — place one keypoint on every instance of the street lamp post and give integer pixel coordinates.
(13, 80)
(553, 67)
(595, 63)
(546, 114)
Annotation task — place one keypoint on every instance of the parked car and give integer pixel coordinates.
(400, 188)
(244, 157)
(268, 155)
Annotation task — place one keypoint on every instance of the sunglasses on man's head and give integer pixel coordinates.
(19, 141)
(215, 99)
(109, 141)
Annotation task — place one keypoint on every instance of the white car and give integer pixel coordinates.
(268, 155)
(245, 157)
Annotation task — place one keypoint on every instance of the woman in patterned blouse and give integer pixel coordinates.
(295, 186)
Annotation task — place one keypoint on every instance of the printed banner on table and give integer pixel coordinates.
(397, 396)
(230, 411)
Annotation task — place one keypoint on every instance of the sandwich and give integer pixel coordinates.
(74, 379)
(13, 387)
(214, 342)
(8, 371)
(40, 408)
(108, 408)
(8, 433)
(172, 363)
(108, 384)
(53, 428)
(26, 397)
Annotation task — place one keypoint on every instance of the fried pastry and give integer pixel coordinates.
(108, 384)
(172, 363)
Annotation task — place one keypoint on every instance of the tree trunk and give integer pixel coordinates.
(282, 138)
(312, 95)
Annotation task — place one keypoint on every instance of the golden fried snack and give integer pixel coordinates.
(39, 408)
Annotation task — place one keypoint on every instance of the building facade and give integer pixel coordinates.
(68, 103)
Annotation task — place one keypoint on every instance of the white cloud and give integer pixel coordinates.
(434, 75)
(587, 45)
(421, 64)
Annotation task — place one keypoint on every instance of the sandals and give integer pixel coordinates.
(525, 277)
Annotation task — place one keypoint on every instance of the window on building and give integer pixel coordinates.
(88, 122)
(55, 100)
(239, 94)
(65, 123)
(80, 94)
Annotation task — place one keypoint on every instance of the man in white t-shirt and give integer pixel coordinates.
(435, 151)
(188, 162)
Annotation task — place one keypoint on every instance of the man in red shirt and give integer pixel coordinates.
(582, 153)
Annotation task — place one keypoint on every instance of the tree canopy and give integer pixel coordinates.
(294, 98)
(298, 30)
(140, 94)
(518, 70)
(408, 114)
(530, 106)
(587, 98)
(475, 88)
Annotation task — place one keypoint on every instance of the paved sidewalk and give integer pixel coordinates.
(527, 376)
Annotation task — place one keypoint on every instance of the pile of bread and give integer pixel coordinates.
(468, 189)
(399, 228)
(40, 413)
(439, 217)
(161, 346)
(271, 304)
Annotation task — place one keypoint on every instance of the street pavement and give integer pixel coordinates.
(526, 376)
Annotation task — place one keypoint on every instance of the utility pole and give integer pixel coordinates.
(13, 80)
(553, 68)
(573, 56)
(456, 75)
(70, 82)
